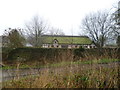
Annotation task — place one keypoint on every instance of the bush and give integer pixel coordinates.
(40, 54)
(78, 53)
(5, 52)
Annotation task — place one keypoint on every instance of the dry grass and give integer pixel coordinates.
(74, 76)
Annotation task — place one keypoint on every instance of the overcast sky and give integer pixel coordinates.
(63, 14)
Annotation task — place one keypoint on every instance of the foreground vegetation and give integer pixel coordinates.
(63, 70)
(98, 74)
(60, 64)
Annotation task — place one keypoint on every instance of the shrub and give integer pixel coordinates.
(78, 53)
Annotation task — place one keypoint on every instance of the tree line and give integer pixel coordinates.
(102, 27)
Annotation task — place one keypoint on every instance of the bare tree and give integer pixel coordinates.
(116, 17)
(35, 29)
(117, 14)
(98, 27)
(55, 31)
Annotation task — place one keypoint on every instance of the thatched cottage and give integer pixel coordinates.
(59, 41)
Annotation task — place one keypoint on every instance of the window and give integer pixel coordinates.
(75, 46)
(55, 41)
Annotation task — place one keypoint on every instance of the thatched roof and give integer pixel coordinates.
(48, 39)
